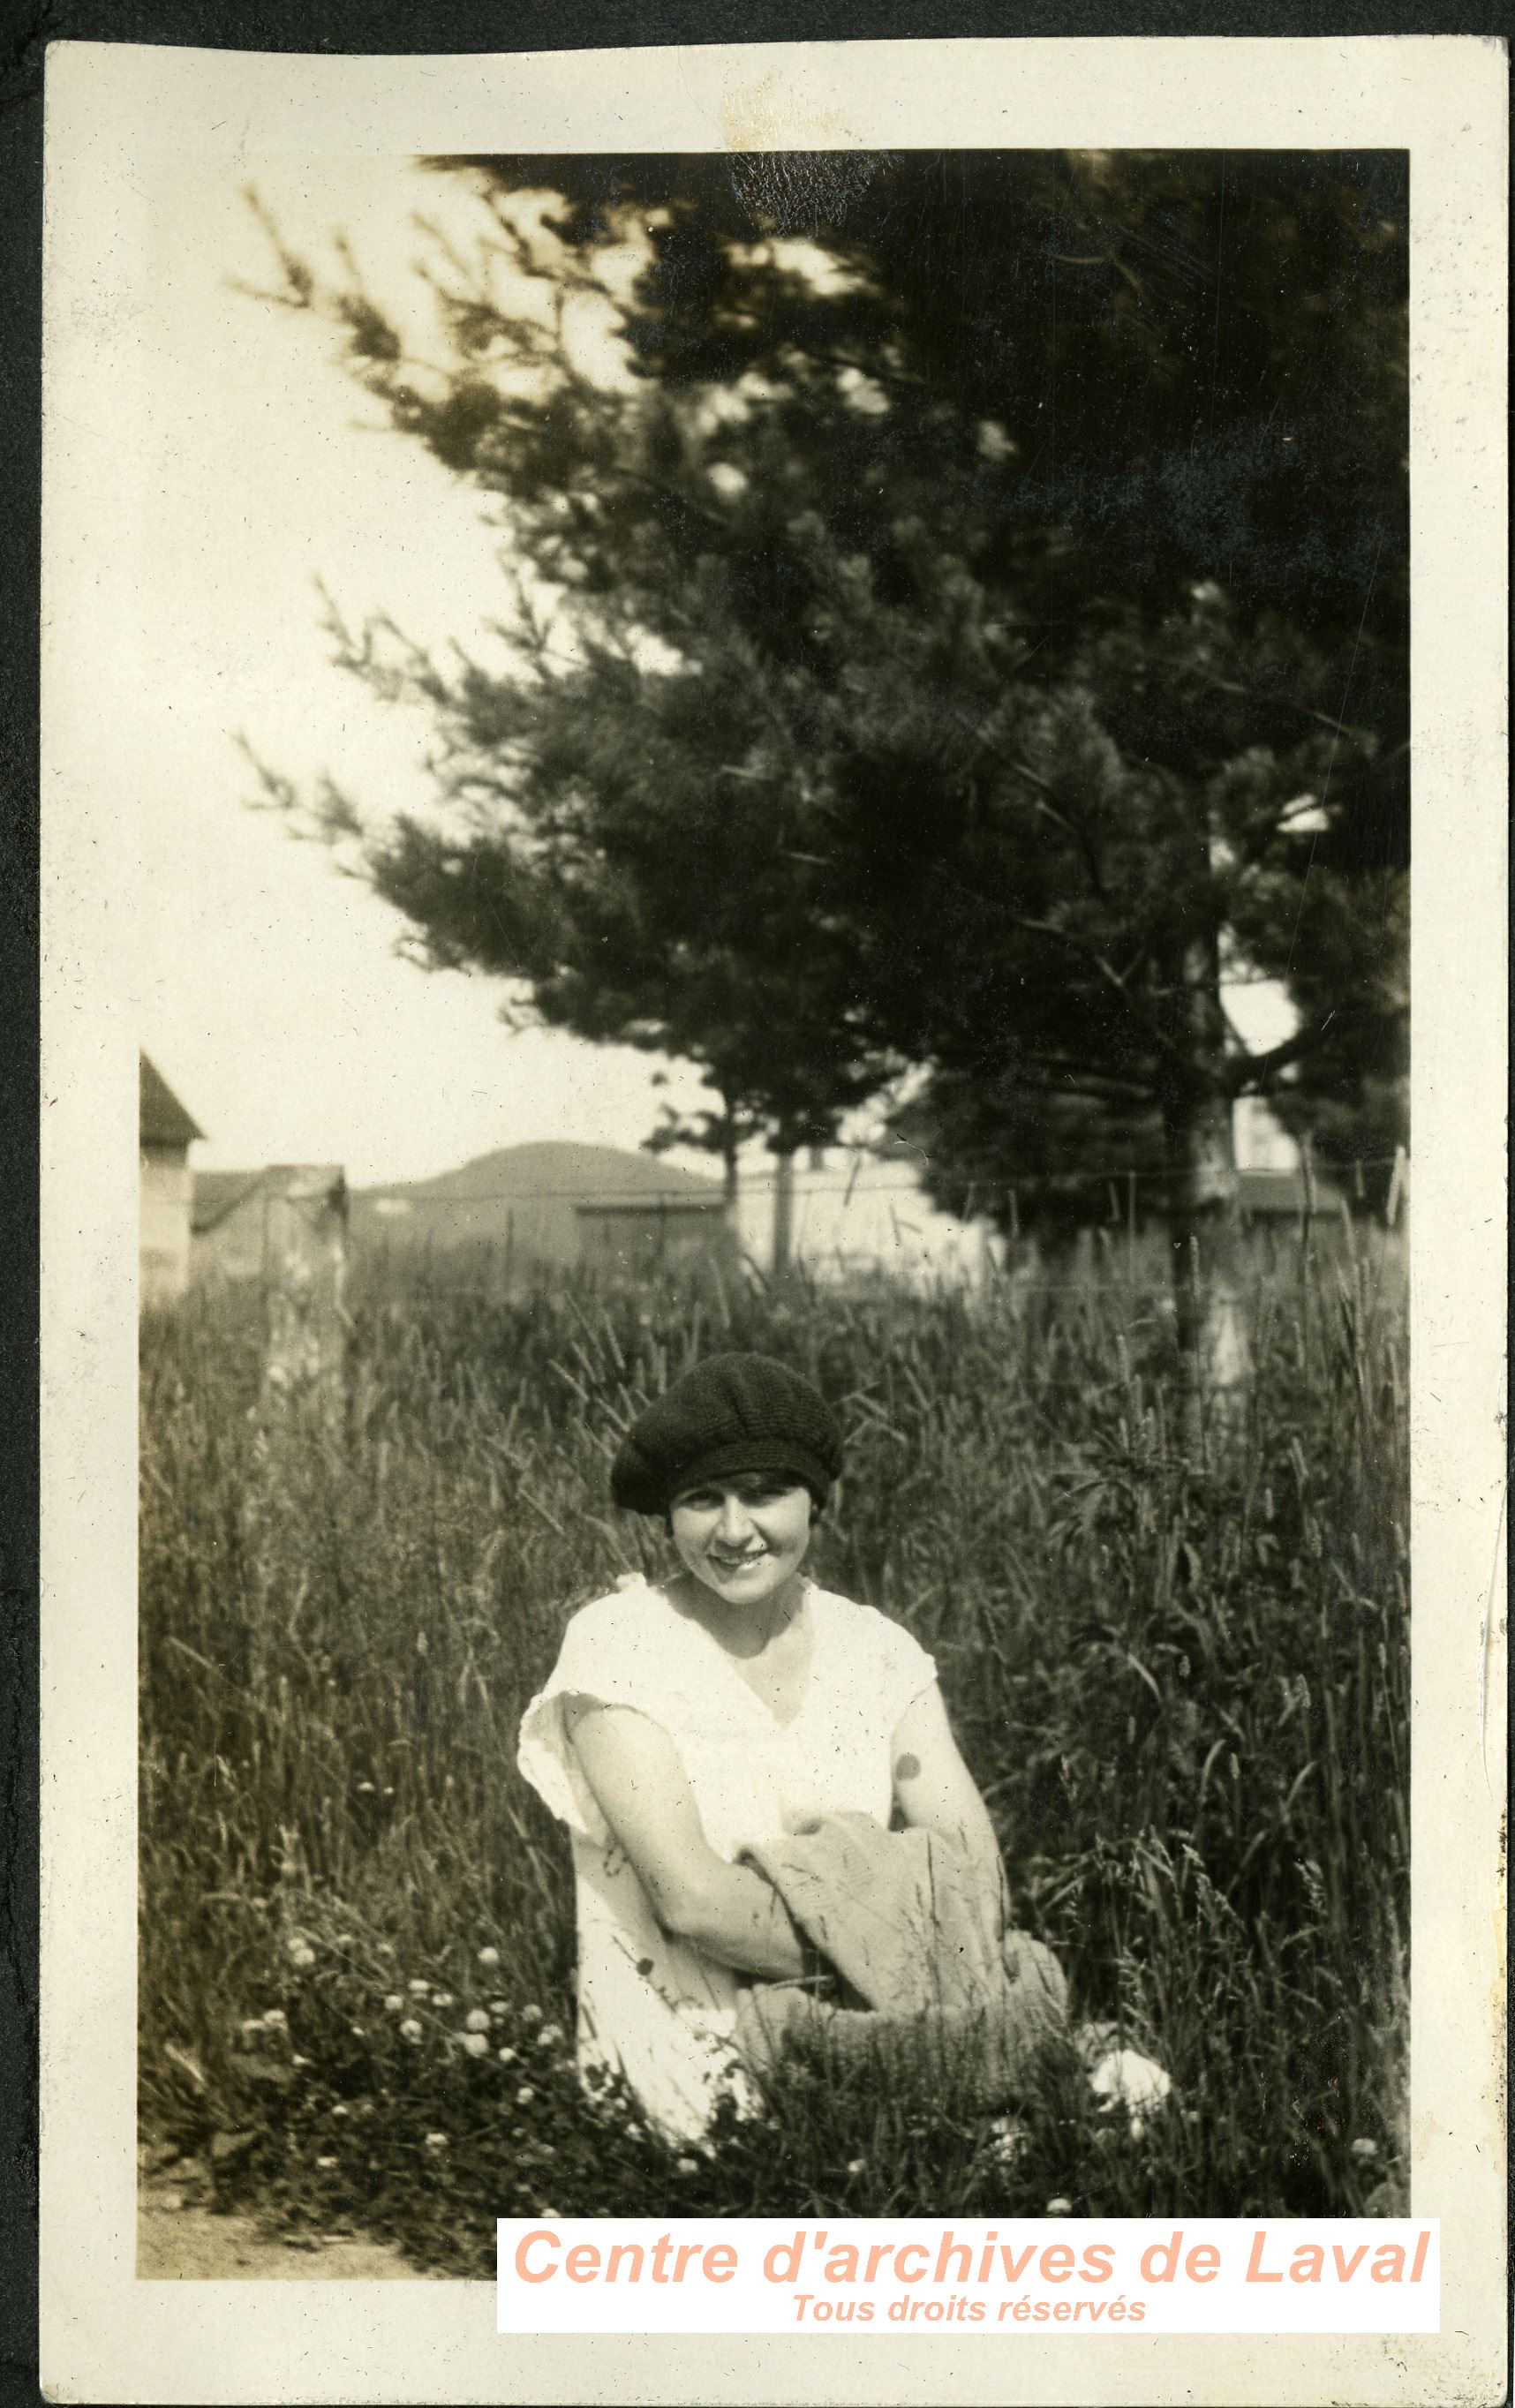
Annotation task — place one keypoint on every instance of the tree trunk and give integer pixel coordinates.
(1205, 1223)
(784, 1212)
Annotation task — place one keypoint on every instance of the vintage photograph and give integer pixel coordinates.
(775, 1186)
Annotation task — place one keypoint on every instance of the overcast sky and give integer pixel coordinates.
(271, 996)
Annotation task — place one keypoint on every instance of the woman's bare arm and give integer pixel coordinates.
(936, 1790)
(729, 1911)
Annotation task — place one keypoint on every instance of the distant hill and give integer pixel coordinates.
(521, 1198)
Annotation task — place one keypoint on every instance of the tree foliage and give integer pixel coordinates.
(958, 612)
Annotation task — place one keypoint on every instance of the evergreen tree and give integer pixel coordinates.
(968, 615)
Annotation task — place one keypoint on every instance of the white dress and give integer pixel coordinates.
(652, 2007)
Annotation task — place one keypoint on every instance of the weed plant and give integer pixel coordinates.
(1182, 1685)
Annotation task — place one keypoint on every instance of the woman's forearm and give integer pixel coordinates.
(935, 1791)
(740, 1919)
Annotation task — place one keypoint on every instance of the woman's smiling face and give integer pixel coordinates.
(743, 1535)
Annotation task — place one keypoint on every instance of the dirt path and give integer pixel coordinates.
(180, 2239)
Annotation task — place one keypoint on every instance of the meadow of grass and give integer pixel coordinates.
(1183, 1687)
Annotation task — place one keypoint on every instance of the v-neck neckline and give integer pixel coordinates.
(732, 1662)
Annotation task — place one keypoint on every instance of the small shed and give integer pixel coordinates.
(242, 1217)
(166, 1132)
(1282, 1195)
(644, 1235)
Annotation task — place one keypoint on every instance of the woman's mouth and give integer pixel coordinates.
(736, 1563)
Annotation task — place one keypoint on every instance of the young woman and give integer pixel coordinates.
(732, 1702)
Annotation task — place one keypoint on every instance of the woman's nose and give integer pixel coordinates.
(735, 1523)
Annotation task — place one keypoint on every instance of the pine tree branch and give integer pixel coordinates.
(1071, 828)
(1149, 1027)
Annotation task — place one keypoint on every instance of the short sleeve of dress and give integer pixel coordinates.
(901, 1667)
(609, 1652)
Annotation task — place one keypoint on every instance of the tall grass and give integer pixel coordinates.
(1183, 1688)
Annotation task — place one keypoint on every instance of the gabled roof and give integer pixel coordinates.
(161, 1118)
(218, 1192)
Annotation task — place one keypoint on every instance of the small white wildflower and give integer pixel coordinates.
(1059, 2207)
(300, 2060)
(1008, 2140)
(509, 2056)
(301, 1953)
(532, 2015)
(419, 1989)
(394, 2002)
(441, 1998)
(554, 2212)
(250, 2029)
(475, 2044)
(1365, 2151)
(687, 2166)
(856, 2165)
(1123, 2078)
(366, 1789)
(410, 2029)
(499, 2007)
(341, 2108)
(275, 2020)
(489, 1955)
(525, 2095)
(549, 2036)
(476, 2020)
(358, 2031)
(633, 2132)
(325, 2164)
(436, 2140)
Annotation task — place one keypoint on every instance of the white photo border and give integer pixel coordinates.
(109, 109)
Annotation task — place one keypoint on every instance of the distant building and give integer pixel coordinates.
(166, 1132)
(1287, 1196)
(1271, 1180)
(551, 1206)
(1262, 1141)
(643, 1236)
(857, 1213)
(234, 1210)
(226, 1224)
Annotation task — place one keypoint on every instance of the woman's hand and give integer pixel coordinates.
(727, 1912)
(935, 1790)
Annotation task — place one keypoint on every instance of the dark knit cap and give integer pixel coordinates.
(733, 1412)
